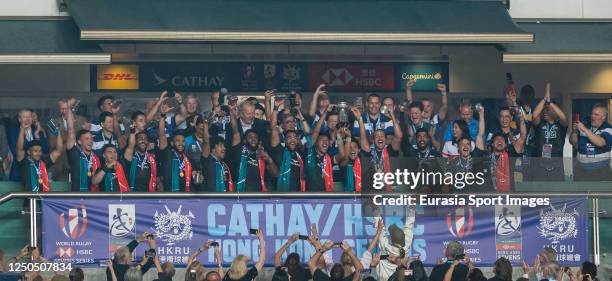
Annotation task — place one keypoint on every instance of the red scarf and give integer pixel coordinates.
(153, 168)
(262, 173)
(230, 182)
(95, 165)
(302, 178)
(387, 167)
(502, 177)
(357, 173)
(188, 170)
(328, 174)
(121, 178)
(44, 176)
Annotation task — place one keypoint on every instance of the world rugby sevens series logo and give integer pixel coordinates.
(460, 225)
(76, 227)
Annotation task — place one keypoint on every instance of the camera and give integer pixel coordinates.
(214, 244)
(460, 257)
(150, 237)
(116, 103)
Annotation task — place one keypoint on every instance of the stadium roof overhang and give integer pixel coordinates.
(343, 21)
(563, 42)
(48, 41)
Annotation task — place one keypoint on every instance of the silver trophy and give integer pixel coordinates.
(404, 105)
(342, 115)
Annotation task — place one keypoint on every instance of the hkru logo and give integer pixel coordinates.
(458, 224)
(119, 76)
(76, 228)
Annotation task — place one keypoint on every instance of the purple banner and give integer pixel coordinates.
(88, 231)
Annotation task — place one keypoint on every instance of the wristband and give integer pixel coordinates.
(444, 93)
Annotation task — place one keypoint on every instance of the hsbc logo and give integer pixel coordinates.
(118, 76)
(77, 222)
(337, 77)
(65, 252)
(459, 223)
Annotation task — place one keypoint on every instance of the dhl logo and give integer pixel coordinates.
(118, 76)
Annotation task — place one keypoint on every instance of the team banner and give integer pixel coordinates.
(86, 232)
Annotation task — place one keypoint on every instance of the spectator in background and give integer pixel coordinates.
(318, 105)
(467, 114)
(109, 134)
(281, 274)
(238, 270)
(550, 127)
(221, 122)
(195, 271)
(61, 168)
(213, 276)
(428, 106)
(76, 274)
(505, 117)
(260, 112)
(5, 156)
(396, 241)
(292, 262)
(165, 272)
(166, 106)
(205, 247)
(454, 253)
(34, 131)
(593, 142)
(460, 129)
(119, 267)
(247, 120)
(373, 120)
(336, 273)
(588, 271)
(502, 270)
(190, 110)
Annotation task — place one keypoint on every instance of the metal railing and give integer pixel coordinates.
(33, 197)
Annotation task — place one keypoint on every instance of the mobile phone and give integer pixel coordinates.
(460, 257)
(303, 237)
(150, 237)
(214, 244)
(384, 257)
(337, 244)
(253, 231)
(192, 275)
(508, 76)
(408, 272)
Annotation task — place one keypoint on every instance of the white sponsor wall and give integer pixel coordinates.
(575, 9)
(33, 8)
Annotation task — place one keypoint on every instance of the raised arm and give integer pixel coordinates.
(480, 143)
(443, 103)
(234, 124)
(302, 120)
(219, 260)
(153, 112)
(281, 251)
(20, 152)
(268, 103)
(409, 84)
(448, 276)
(314, 260)
(354, 259)
(519, 145)
(182, 107)
(206, 141)
(312, 110)
(363, 139)
(396, 142)
(560, 114)
(319, 125)
(380, 227)
(275, 137)
(70, 134)
(262, 251)
(59, 149)
(128, 154)
(408, 226)
(161, 132)
(117, 127)
(197, 252)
